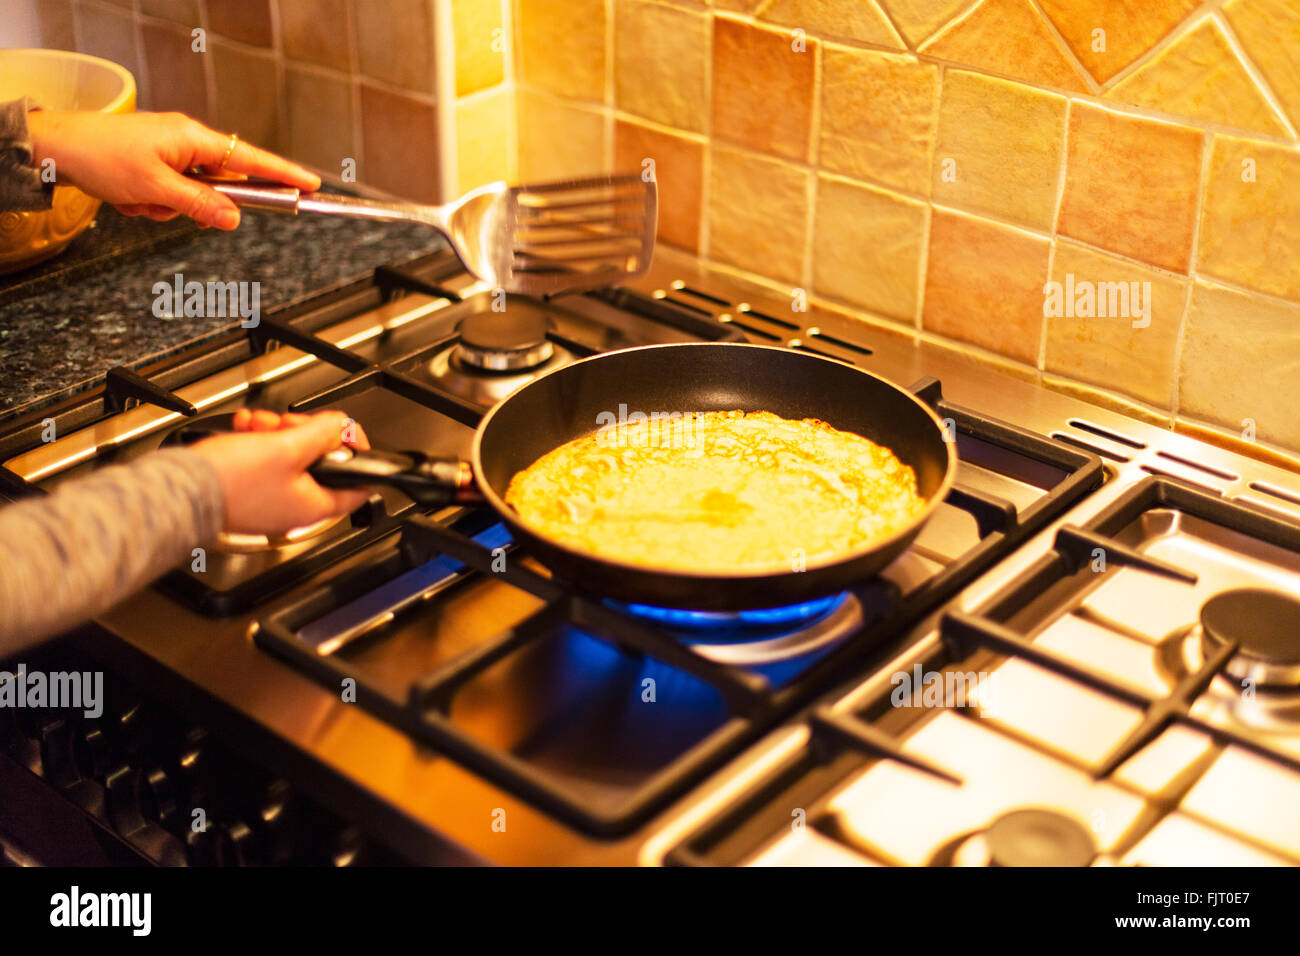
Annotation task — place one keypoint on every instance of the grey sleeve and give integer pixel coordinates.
(21, 187)
(95, 540)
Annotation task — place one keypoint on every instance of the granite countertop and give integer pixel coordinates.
(65, 322)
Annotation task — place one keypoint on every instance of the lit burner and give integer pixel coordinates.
(751, 623)
(795, 633)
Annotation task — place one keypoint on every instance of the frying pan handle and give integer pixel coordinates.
(428, 481)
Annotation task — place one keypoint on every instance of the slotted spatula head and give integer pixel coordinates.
(565, 236)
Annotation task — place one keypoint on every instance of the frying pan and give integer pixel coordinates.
(564, 404)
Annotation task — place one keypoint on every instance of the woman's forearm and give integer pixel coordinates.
(76, 552)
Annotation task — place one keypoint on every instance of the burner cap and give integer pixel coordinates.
(1266, 628)
(504, 341)
(1038, 838)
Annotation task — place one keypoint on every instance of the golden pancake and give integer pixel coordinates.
(717, 492)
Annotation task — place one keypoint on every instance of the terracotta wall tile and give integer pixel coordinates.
(483, 140)
(561, 46)
(248, 95)
(758, 213)
(1240, 353)
(1131, 185)
(661, 63)
(1250, 230)
(679, 172)
(920, 19)
(984, 284)
(395, 42)
(1105, 348)
(477, 27)
(320, 120)
(176, 78)
(315, 31)
(58, 31)
(248, 21)
(1004, 141)
(185, 12)
(399, 141)
(558, 140)
(742, 6)
(109, 34)
(867, 248)
(1132, 27)
(877, 116)
(1008, 37)
(1269, 30)
(762, 88)
(1199, 76)
(860, 20)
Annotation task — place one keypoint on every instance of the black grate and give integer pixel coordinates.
(833, 733)
(753, 704)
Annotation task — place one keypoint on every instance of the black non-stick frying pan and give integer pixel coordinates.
(687, 377)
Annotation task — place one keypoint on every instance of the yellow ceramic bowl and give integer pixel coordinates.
(57, 80)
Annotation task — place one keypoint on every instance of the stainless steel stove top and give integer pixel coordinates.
(502, 719)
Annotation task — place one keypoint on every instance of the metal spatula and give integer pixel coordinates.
(539, 239)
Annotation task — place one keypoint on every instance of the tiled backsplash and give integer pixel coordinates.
(935, 163)
(952, 169)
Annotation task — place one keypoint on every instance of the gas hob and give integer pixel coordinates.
(1073, 664)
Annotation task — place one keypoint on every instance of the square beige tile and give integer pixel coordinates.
(399, 136)
(314, 31)
(561, 46)
(558, 140)
(109, 34)
(661, 59)
(999, 148)
(395, 42)
(1250, 227)
(762, 88)
(867, 246)
(1239, 350)
(483, 140)
(758, 213)
(480, 45)
(1269, 30)
(185, 12)
(678, 171)
(58, 28)
(176, 78)
(1131, 185)
(248, 95)
(1123, 332)
(860, 20)
(248, 21)
(320, 120)
(984, 284)
(878, 116)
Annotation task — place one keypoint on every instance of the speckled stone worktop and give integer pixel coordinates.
(65, 322)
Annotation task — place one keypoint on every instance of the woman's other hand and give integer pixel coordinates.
(135, 161)
(263, 469)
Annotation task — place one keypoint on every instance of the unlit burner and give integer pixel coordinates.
(1265, 625)
(497, 352)
(1027, 837)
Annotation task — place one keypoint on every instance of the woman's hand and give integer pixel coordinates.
(263, 469)
(135, 162)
